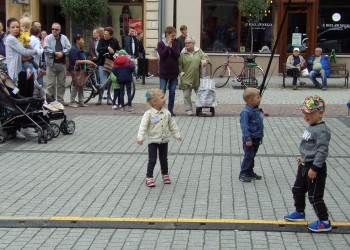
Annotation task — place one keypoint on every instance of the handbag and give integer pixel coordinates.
(305, 72)
(108, 65)
(78, 76)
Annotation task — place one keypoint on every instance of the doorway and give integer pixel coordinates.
(299, 30)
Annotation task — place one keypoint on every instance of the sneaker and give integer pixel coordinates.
(115, 107)
(302, 83)
(166, 179)
(172, 114)
(150, 182)
(130, 109)
(324, 88)
(73, 105)
(189, 112)
(99, 102)
(320, 226)
(83, 105)
(149, 75)
(295, 87)
(20, 136)
(244, 178)
(295, 216)
(255, 176)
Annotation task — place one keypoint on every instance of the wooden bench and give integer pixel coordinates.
(338, 70)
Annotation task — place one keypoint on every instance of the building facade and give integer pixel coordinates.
(218, 25)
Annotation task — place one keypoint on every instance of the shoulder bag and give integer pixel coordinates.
(108, 65)
(78, 76)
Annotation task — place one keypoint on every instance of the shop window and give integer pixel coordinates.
(262, 34)
(219, 26)
(333, 31)
(123, 17)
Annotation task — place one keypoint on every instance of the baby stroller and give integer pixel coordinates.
(206, 96)
(17, 112)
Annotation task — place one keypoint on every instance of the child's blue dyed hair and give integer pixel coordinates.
(152, 94)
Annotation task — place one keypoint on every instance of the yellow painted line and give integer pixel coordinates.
(163, 220)
(187, 220)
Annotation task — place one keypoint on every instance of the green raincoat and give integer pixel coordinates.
(190, 68)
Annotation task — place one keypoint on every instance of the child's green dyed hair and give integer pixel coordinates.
(152, 94)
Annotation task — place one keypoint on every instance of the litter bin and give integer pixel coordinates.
(142, 67)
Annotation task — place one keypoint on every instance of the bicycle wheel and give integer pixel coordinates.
(88, 89)
(133, 90)
(221, 76)
(252, 77)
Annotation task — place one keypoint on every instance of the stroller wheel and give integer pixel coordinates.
(70, 127)
(45, 135)
(63, 128)
(212, 110)
(50, 133)
(3, 136)
(55, 129)
(39, 136)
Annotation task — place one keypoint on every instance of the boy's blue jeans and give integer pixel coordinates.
(249, 155)
(172, 89)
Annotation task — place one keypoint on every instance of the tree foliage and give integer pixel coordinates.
(253, 10)
(84, 12)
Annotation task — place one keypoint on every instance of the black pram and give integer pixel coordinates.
(17, 112)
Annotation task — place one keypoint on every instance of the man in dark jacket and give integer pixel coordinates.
(122, 69)
(132, 45)
(169, 54)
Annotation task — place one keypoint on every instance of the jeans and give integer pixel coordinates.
(313, 74)
(103, 78)
(122, 93)
(172, 88)
(315, 190)
(116, 95)
(152, 158)
(249, 155)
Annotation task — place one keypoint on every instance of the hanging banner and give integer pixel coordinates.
(296, 39)
(136, 24)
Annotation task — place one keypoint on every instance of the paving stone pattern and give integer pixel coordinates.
(100, 171)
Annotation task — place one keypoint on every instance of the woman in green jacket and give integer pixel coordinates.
(191, 60)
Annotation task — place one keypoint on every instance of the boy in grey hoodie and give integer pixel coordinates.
(312, 168)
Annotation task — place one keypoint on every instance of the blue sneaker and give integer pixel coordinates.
(295, 216)
(320, 226)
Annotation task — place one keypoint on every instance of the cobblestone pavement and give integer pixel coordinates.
(100, 170)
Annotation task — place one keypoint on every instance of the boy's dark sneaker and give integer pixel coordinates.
(319, 226)
(295, 216)
(244, 178)
(256, 176)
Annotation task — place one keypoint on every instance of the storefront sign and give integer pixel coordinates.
(21, 1)
(336, 25)
(296, 39)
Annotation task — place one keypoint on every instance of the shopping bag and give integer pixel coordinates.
(304, 72)
(108, 65)
(78, 76)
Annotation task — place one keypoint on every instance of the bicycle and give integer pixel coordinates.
(251, 75)
(92, 87)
